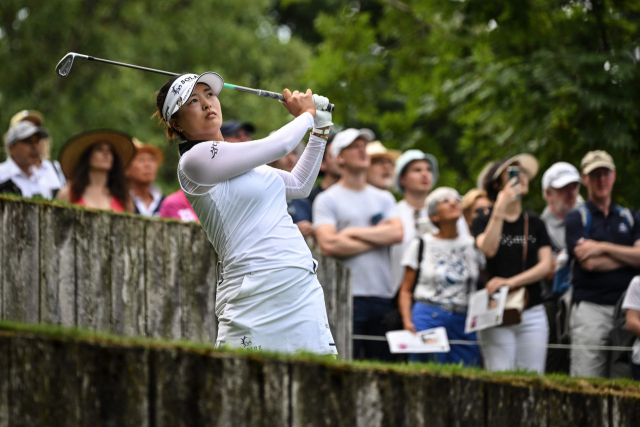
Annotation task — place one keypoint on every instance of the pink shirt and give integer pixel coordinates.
(177, 206)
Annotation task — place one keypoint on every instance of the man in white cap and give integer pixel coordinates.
(560, 188)
(604, 240)
(357, 223)
(21, 167)
(380, 172)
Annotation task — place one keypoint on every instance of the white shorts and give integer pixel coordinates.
(279, 310)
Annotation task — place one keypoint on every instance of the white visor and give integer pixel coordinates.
(182, 88)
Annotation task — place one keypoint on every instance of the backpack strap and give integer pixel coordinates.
(420, 253)
(585, 216)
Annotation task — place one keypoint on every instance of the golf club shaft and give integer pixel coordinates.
(259, 92)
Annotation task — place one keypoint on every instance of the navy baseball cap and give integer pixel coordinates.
(232, 126)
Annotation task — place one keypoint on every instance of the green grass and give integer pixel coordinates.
(624, 387)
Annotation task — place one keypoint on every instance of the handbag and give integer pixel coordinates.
(518, 299)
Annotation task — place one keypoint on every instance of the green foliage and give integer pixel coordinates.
(235, 38)
(473, 81)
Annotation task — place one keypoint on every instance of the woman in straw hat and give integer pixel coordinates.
(94, 163)
(518, 251)
(268, 297)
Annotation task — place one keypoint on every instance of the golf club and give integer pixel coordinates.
(64, 67)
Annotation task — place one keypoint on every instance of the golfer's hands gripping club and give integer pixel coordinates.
(323, 117)
(298, 103)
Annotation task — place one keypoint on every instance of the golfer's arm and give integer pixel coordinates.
(383, 234)
(212, 162)
(633, 321)
(336, 244)
(600, 263)
(299, 182)
(405, 300)
(489, 241)
(626, 255)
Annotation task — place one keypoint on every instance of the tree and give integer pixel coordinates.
(475, 81)
(235, 38)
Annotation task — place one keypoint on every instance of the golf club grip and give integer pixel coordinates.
(272, 95)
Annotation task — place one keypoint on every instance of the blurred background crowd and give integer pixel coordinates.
(439, 102)
(414, 262)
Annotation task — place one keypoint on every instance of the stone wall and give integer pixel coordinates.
(125, 274)
(50, 380)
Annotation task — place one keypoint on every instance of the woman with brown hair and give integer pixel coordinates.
(94, 164)
(268, 296)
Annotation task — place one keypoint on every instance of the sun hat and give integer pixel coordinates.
(345, 138)
(376, 149)
(182, 88)
(527, 162)
(141, 147)
(596, 159)
(559, 175)
(230, 127)
(32, 115)
(437, 196)
(23, 130)
(75, 147)
(410, 156)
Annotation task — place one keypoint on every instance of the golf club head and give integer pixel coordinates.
(64, 66)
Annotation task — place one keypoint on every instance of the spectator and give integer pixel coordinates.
(415, 175)
(631, 303)
(298, 209)
(474, 203)
(50, 168)
(234, 131)
(21, 167)
(357, 222)
(329, 171)
(176, 206)
(604, 241)
(560, 188)
(516, 245)
(380, 173)
(448, 271)
(141, 175)
(94, 163)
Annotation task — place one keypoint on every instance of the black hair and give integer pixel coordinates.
(490, 185)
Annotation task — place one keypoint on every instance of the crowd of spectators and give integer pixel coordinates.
(570, 271)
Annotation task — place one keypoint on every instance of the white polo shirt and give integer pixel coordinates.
(42, 181)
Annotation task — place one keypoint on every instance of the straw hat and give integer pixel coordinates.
(74, 148)
(141, 147)
(33, 116)
(527, 162)
(376, 149)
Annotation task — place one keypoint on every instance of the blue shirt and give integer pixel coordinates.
(605, 287)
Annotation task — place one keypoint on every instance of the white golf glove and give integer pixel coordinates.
(323, 117)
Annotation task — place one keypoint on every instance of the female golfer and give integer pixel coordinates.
(268, 297)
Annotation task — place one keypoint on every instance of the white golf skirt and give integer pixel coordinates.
(278, 310)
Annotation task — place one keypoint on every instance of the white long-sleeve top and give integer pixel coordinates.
(241, 202)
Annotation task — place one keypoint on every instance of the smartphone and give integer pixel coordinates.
(513, 172)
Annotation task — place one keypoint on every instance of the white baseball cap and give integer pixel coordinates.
(559, 175)
(23, 130)
(182, 88)
(345, 138)
(410, 156)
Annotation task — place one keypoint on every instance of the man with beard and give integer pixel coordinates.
(380, 172)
